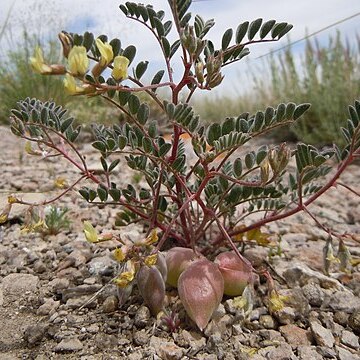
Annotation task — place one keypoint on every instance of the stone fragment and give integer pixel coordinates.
(295, 336)
(322, 336)
(313, 294)
(142, 317)
(308, 352)
(68, 345)
(49, 307)
(344, 301)
(166, 350)
(354, 321)
(33, 334)
(281, 352)
(141, 338)
(350, 339)
(286, 315)
(102, 265)
(344, 354)
(267, 322)
(110, 304)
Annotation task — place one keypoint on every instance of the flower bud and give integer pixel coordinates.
(66, 43)
(199, 72)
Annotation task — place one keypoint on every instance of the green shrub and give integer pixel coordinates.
(200, 200)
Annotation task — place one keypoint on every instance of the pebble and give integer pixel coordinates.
(141, 338)
(295, 336)
(286, 315)
(314, 294)
(354, 321)
(322, 336)
(267, 322)
(110, 304)
(33, 334)
(344, 354)
(49, 307)
(69, 345)
(166, 350)
(344, 301)
(350, 339)
(308, 353)
(142, 317)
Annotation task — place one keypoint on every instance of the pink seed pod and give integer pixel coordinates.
(236, 273)
(151, 287)
(201, 288)
(177, 260)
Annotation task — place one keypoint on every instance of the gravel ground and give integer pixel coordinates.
(48, 309)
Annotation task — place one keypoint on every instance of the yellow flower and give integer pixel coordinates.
(119, 255)
(12, 199)
(121, 64)
(106, 52)
(4, 215)
(73, 89)
(126, 277)
(78, 60)
(152, 237)
(276, 301)
(90, 232)
(151, 260)
(38, 64)
(60, 183)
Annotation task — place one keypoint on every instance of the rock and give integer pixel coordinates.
(105, 341)
(308, 352)
(313, 294)
(295, 336)
(140, 338)
(81, 301)
(142, 317)
(354, 321)
(58, 284)
(166, 350)
(344, 301)
(267, 322)
(301, 274)
(69, 345)
(281, 352)
(33, 334)
(191, 339)
(49, 307)
(110, 304)
(322, 336)
(349, 339)
(286, 315)
(326, 352)
(102, 265)
(39, 267)
(341, 318)
(17, 286)
(344, 354)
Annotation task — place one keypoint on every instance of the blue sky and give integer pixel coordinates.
(50, 17)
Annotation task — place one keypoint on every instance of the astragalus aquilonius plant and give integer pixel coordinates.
(200, 204)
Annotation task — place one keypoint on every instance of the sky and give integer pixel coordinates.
(47, 18)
